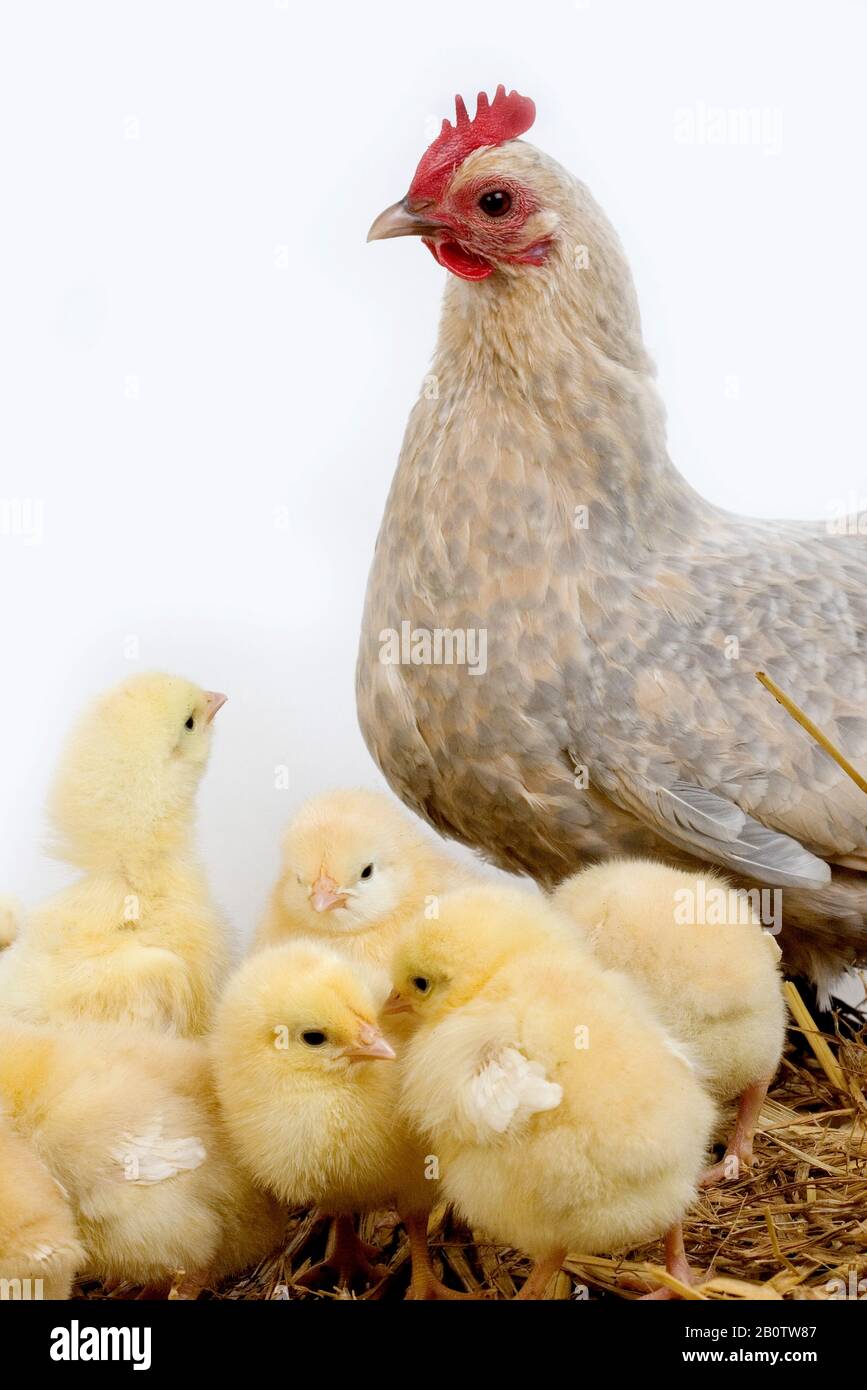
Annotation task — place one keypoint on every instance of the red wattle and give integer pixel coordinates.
(459, 261)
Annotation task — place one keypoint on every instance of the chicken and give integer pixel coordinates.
(609, 619)
(355, 869)
(39, 1246)
(697, 947)
(137, 937)
(298, 1059)
(562, 1114)
(127, 1121)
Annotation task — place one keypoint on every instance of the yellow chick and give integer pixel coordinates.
(697, 947)
(308, 1087)
(356, 869)
(562, 1114)
(136, 938)
(39, 1247)
(127, 1121)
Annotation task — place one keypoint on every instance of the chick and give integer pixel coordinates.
(562, 1114)
(697, 947)
(127, 1121)
(356, 869)
(39, 1246)
(309, 1094)
(136, 938)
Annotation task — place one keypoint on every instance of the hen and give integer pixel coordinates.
(560, 639)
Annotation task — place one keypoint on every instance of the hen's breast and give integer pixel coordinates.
(470, 661)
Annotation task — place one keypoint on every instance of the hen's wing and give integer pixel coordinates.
(678, 730)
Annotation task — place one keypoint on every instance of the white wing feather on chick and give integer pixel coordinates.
(681, 1053)
(150, 1157)
(507, 1090)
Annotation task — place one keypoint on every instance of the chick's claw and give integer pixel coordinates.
(348, 1260)
(739, 1151)
(424, 1285)
(676, 1264)
(536, 1284)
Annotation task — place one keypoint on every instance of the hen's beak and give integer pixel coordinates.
(399, 220)
(370, 1043)
(394, 1004)
(214, 701)
(326, 894)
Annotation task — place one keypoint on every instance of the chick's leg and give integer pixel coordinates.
(424, 1284)
(535, 1286)
(739, 1150)
(179, 1285)
(347, 1259)
(675, 1262)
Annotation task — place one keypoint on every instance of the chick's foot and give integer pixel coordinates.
(535, 1286)
(676, 1264)
(424, 1284)
(739, 1151)
(348, 1260)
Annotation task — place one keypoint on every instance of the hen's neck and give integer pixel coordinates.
(563, 357)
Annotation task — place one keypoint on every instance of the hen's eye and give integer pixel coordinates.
(191, 723)
(496, 203)
(367, 871)
(313, 1037)
(421, 984)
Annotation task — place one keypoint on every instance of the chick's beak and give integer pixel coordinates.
(325, 894)
(214, 701)
(395, 1004)
(370, 1043)
(400, 220)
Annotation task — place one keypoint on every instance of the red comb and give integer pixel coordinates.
(504, 118)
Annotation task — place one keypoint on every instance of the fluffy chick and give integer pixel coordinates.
(127, 1121)
(562, 1114)
(356, 869)
(715, 983)
(137, 938)
(39, 1245)
(308, 1087)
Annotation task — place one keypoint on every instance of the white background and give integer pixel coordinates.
(195, 335)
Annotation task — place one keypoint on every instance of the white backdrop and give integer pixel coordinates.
(206, 372)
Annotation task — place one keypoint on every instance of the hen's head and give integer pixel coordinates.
(480, 199)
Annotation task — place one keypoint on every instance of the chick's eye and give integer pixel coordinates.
(421, 983)
(313, 1038)
(367, 871)
(191, 723)
(496, 203)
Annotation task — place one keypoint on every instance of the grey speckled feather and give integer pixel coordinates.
(619, 711)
